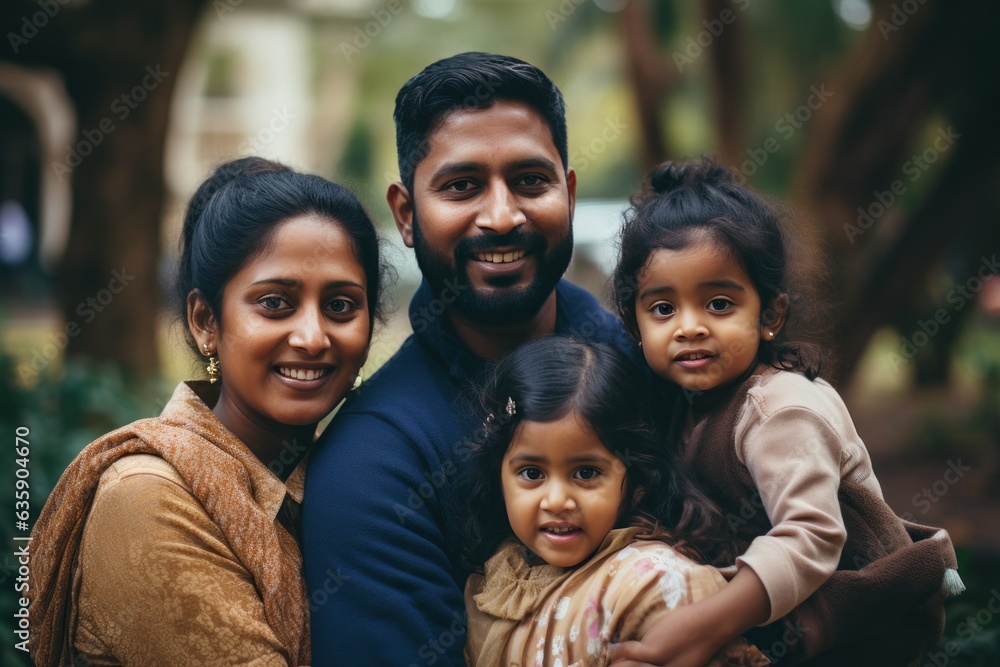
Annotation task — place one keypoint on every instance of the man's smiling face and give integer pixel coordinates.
(492, 208)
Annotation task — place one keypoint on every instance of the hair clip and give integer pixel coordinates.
(511, 407)
(490, 419)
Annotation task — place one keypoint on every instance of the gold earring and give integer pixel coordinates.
(213, 369)
(213, 365)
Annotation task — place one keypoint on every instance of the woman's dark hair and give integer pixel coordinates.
(680, 206)
(471, 80)
(549, 378)
(232, 217)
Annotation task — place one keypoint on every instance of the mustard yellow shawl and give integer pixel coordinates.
(225, 477)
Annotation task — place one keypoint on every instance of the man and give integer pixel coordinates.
(486, 201)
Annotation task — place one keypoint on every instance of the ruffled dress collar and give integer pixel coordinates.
(513, 587)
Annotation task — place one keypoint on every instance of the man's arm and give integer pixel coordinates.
(381, 586)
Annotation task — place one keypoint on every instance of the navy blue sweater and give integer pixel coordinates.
(379, 524)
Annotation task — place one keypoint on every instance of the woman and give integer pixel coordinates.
(173, 540)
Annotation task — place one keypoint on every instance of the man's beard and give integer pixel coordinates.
(501, 305)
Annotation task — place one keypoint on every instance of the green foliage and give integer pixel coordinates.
(972, 630)
(62, 414)
(356, 162)
(221, 78)
(974, 431)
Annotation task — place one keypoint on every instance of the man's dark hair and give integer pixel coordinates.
(470, 80)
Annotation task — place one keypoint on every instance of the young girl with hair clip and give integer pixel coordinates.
(702, 283)
(566, 476)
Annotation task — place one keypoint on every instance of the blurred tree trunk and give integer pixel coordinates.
(727, 58)
(917, 89)
(652, 76)
(119, 62)
(651, 79)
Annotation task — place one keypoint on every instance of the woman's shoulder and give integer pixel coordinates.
(133, 470)
(138, 464)
(146, 493)
(143, 499)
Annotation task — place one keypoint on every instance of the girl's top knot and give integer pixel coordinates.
(670, 176)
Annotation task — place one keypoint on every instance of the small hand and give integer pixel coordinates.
(618, 652)
(637, 654)
(679, 639)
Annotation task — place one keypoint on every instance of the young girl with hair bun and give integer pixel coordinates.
(817, 557)
(566, 477)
